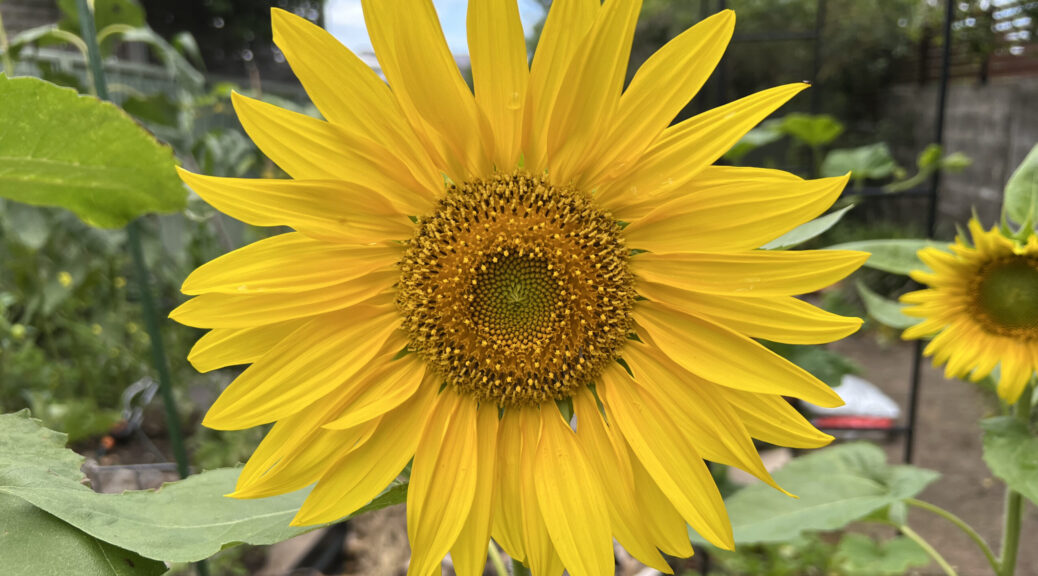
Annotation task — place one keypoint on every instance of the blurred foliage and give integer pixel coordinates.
(71, 335)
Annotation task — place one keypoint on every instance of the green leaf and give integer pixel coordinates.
(894, 256)
(34, 542)
(1011, 452)
(1021, 195)
(860, 555)
(873, 162)
(62, 149)
(884, 310)
(812, 130)
(836, 486)
(807, 230)
(183, 521)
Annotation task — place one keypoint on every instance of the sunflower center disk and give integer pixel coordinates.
(516, 291)
(1008, 296)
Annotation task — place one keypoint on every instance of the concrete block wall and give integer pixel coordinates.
(994, 124)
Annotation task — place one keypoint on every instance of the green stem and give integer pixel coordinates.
(4, 50)
(151, 323)
(496, 560)
(1014, 501)
(962, 525)
(915, 537)
(519, 569)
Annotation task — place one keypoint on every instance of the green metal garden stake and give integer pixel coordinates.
(151, 324)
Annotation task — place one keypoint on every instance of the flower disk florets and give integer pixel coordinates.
(1005, 297)
(515, 290)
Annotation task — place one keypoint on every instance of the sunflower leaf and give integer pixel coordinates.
(1011, 453)
(807, 230)
(894, 256)
(836, 486)
(1021, 195)
(883, 310)
(34, 542)
(180, 522)
(62, 149)
(860, 555)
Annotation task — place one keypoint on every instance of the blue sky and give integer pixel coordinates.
(345, 20)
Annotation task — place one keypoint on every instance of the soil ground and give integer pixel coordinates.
(948, 440)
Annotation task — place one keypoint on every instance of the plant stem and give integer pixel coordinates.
(915, 537)
(1014, 501)
(496, 560)
(151, 323)
(5, 47)
(962, 525)
(518, 569)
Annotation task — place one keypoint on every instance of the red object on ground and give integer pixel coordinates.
(856, 422)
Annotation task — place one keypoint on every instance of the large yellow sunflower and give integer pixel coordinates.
(982, 305)
(468, 271)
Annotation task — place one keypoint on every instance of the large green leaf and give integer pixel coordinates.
(181, 522)
(884, 310)
(1011, 452)
(1021, 196)
(895, 256)
(58, 148)
(34, 542)
(836, 486)
(807, 230)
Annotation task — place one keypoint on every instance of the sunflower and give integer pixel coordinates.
(982, 305)
(541, 295)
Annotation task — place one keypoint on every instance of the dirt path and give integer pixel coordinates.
(948, 439)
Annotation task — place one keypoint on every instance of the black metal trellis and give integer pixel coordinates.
(930, 191)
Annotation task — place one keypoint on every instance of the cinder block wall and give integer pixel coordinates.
(994, 124)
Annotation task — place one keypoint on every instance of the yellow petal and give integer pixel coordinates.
(507, 525)
(333, 210)
(683, 150)
(443, 481)
(541, 557)
(640, 203)
(1016, 372)
(274, 455)
(469, 552)
(666, 527)
(249, 310)
(591, 89)
(673, 463)
(288, 263)
(774, 420)
(310, 149)
(358, 477)
(304, 367)
(299, 462)
(719, 355)
(415, 58)
(570, 497)
(779, 319)
(733, 216)
(614, 471)
(706, 420)
(663, 85)
(231, 346)
(384, 390)
(760, 273)
(497, 49)
(565, 29)
(348, 92)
